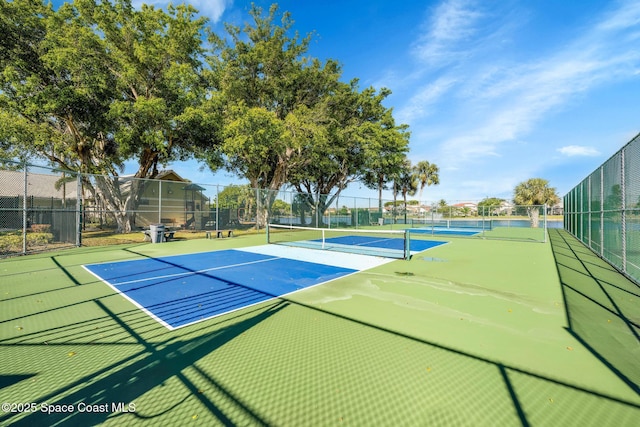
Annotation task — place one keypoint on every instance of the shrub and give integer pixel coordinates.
(39, 239)
(40, 228)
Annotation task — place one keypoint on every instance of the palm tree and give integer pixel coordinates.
(427, 174)
(533, 193)
(406, 182)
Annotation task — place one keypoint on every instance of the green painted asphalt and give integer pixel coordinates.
(474, 332)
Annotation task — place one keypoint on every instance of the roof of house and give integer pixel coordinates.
(466, 204)
(164, 175)
(38, 185)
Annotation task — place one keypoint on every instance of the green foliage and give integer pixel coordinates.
(95, 84)
(490, 205)
(235, 196)
(490, 201)
(280, 207)
(427, 174)
(535, 191)
(267, 91)
(406, 182)
(255, 143)
(356, 130)
(401, 203)
(12, 241)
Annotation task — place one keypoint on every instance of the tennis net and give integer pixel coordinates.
(476, 224)
(383, 243)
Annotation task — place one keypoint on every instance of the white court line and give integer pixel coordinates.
(131, 300)
(355, 262)
(189, 273)
(149, 312)
(334, 259)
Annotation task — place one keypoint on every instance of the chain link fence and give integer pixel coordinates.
(39, 209)
(603, 211)
(44, 208)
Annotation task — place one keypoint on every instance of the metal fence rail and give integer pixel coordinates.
(603, 211)
(44, 208)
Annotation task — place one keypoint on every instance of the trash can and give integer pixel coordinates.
(157, 233)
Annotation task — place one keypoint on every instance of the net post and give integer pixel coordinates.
(267, 232)
(407, 244)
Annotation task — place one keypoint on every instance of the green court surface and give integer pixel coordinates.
(475, 332)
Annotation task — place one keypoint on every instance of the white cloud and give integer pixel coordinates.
(504, 101)
(452, 23)
(626, 17)
(420, 103)
(578, 150)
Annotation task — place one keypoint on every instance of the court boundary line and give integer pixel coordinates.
(167, 276)
(131, 300)
(273, 297)
(172, 328)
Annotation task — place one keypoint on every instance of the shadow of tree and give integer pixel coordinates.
(357, 365)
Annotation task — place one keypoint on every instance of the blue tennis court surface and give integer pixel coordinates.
(365, 245)
(184, 289)
(383, 243)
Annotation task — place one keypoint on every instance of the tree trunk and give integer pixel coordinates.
(534, 215)
(380, 185)
(122, 206)
(404, 196)
(264, 203)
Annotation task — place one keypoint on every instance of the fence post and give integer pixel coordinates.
(623, 214)
(160, 202)
(355, 209)
(545, 224)
(79, 210)
(602, 211)
(218, 208)
(589, 199)
(24, 211)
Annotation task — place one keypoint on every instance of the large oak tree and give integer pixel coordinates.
(95, 83)
(267, 90)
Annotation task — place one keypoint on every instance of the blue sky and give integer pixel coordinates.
(494, 92)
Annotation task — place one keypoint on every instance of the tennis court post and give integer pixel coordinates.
(407, 244)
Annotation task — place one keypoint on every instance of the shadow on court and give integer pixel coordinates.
(286, 362)
(603, 306)
(126, 380)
